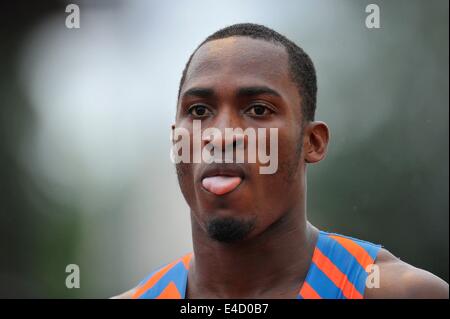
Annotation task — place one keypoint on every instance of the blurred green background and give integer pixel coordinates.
(85, 173)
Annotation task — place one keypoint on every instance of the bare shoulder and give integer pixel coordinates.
(126, 295)
(398, 279)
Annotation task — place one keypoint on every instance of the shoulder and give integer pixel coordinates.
(126, 295)
(170, 273)
(398, 279)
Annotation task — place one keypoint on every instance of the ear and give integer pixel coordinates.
(172, 131)
(315, 141)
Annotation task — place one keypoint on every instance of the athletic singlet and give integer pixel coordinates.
(338, 270)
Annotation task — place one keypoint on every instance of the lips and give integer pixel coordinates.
(223, 179)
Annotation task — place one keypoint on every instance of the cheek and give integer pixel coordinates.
(288, 151)
(186, 180)
(275, 191)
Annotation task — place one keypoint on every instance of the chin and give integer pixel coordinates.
(229, 229)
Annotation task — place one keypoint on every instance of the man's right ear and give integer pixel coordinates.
(171, 133)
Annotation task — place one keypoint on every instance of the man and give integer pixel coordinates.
(250, 232)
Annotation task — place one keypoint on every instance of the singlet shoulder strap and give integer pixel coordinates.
(167, 282)
(339, 267)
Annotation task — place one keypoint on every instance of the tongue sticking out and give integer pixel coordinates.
(220, 185)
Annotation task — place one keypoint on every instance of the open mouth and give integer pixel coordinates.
(222, 180)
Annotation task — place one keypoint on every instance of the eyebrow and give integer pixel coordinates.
(257, 90)
(199, 92)
(244, 91)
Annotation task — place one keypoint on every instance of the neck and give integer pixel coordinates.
(268, 264)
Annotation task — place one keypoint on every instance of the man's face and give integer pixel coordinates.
(239, 82)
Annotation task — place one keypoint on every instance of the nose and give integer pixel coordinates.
(225, 137)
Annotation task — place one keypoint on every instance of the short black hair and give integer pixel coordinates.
(301, 66)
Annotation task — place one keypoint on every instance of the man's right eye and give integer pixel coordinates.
(199, 110)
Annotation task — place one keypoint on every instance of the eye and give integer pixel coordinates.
(199, 110)
(259, 110)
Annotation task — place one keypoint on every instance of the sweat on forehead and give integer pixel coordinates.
(239, 55)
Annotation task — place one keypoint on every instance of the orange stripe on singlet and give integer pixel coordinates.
(355, 250)
(170, 292)
(186, 259)
(159, 274)
(336, 276)
(308, 292)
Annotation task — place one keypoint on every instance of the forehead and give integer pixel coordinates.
(239, 61)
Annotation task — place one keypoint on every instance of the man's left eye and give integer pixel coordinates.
(259, 110)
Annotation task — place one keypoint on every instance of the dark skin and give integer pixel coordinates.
(273, 259)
